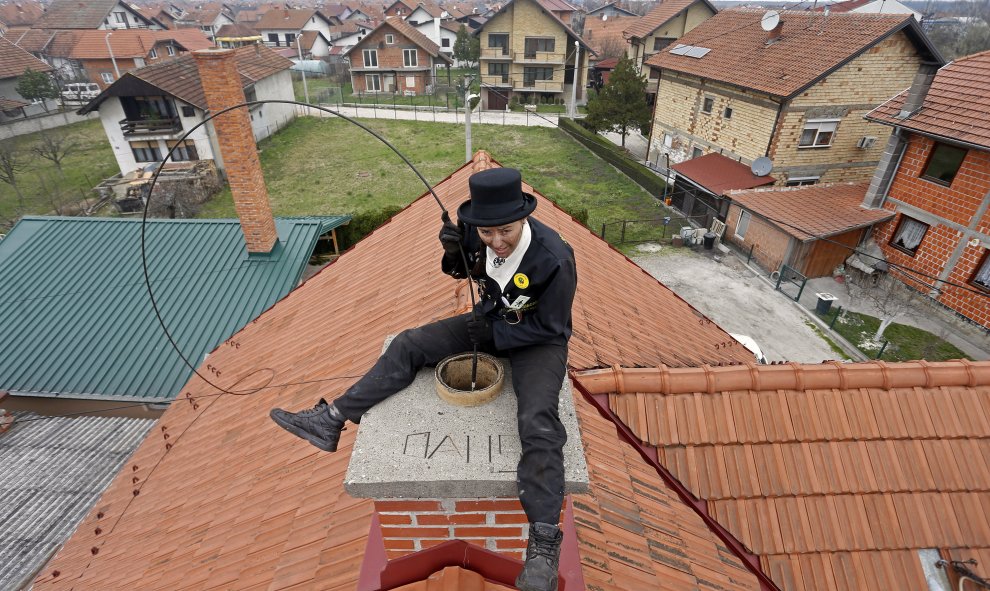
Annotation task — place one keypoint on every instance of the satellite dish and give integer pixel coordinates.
(761, 166)
(604, 17)
(770, 20)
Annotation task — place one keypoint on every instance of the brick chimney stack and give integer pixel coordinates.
(222, 86)
(773, 35)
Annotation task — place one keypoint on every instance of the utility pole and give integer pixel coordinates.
(574, 80)
(302, 67)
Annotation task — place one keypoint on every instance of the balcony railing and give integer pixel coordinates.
(495, 79)
(539, 57)
(495, 53)
(150, 126)
(526, 83)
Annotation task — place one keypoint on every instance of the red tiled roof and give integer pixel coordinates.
(32, 40)
(236, 30)
(454, 578)
(77, 14)
(557, 6)
(834, 474)
(811, 46)
(14, 61)
(20, 14)
(719, 174)
(408, 31)
(606, 33)
(308, 39)
(664, 10)
(957, 105)
(845, 6)
(128, 43)
(225, 501)
(285, 19)
(814, 211)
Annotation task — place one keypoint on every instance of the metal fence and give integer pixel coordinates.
(647, 230)
(787, 280)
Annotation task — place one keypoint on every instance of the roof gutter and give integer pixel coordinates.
(650, 456)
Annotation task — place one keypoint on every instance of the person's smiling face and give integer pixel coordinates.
(502, 239)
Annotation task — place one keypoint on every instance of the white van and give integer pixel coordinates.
(80, 92)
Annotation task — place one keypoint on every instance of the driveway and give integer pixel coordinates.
(728, 293)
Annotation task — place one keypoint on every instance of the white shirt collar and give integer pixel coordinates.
(506, 270)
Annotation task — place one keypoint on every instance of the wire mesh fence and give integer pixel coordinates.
(648, 230)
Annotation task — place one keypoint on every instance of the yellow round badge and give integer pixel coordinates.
(521, 281)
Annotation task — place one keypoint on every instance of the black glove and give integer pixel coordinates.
(480, 329)
(451, 237)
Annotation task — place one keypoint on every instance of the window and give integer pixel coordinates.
(170, 49)
(727, 113)
(107, 77)
(499, 69)
(445, 42)
(982, 276)
(943, 164)
(537, 44)
(654, 74)
(661, 42)
(708, 105)
(153, 53)
(370, 58)
(818, 133)
(273, 39)
(372, 82)
(909, 234)
(499, 40)
(184, 151)
(389, 39)
(531, 75)
(410, 58)
(697, 152)
(120, 17)
(188, 111)
(743, 224)
(801, 181)
(145, 151)
(290, 38)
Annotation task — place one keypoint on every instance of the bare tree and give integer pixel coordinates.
(11, 166)
(55, 147)
(612, 47)
(885, 294)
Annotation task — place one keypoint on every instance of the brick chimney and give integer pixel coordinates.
(222, 87)
(773, 35)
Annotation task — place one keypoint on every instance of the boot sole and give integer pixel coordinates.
(524, 587)
(316, 441)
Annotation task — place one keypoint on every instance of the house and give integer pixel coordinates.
(697, 186)
(19, 14)
(237, 35)
(704, 472)
(667, 21)
(610, 10)
(935, 177)
(395, 57)
(93, 14)
(347, 35)
(400, 9)
(280, 28)
(874, 6)
(796, 94)
(562, 10)
(103, 57)
(811, 229)
(14, 61)
(605, 35)
(425, 12)
(209, 21)
(443, 32)
(527, 52)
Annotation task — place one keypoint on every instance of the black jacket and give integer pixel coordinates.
(546, 275)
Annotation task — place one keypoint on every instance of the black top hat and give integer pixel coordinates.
(496, 198)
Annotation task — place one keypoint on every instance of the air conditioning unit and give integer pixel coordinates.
(866, 142)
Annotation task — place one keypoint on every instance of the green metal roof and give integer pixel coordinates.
(75, 317)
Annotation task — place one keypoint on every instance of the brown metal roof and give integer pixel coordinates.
(14, 61)
(957, 105)
(814, 211)
(664, 10)
(719, 174)
(226, 502)
(834, 474)
(811, 46)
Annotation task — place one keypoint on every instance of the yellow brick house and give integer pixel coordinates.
(528, 52)
(796, 94)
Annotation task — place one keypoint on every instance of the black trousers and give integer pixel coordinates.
(537, 375)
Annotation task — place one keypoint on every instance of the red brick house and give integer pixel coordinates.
(935, 175)
(395, 57)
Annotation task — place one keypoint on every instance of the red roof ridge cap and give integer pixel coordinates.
(787, 376)
(800, 188)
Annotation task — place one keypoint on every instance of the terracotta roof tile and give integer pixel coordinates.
(226, 493)
(718, 173)
(664, 10)
(606, 33)
(413, 35)
(20, 14)
(814, 477)
(957, 105)
(813, 211)
(76, 14)
(810, 47)
(129, 43)
(237, 30)
(14, 61)
(289, 19)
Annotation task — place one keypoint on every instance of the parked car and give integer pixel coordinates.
(80, 92)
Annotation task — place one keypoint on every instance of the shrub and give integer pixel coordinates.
(363, 224)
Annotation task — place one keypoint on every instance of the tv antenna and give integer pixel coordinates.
(770, 20)
(761, 166)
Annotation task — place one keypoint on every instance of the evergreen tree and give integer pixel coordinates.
(621, 104)
(467, 47)
(36, 85)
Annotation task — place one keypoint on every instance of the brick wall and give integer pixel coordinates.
(95, 68)
(768, 242)
(222, 87)
(409, 525)
(957, 203)
(391, 62)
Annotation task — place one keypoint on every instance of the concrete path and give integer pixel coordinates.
(635, 143)
(738, 301)
(428, 115)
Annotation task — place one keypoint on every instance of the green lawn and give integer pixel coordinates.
(327, 166)
(42, 187)
(906, 342)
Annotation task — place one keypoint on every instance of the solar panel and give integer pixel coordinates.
(690, 51)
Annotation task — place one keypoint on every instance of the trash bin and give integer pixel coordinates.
(709, 240)
(824, 303)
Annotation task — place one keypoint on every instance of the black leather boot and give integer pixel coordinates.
(320, 425)
(542, 558)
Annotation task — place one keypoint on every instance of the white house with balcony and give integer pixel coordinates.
(281, 27)
(148, 111)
